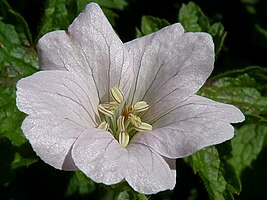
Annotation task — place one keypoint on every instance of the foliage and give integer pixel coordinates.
(223, 169)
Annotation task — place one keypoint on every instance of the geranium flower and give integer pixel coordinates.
(122, 111)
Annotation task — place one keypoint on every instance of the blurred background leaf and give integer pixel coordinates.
(221, 169)
(17, 59)
(194, 20)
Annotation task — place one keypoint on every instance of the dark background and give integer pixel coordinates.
(244, 46)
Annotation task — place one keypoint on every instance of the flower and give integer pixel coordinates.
(122, 111)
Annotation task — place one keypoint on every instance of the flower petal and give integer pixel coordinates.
(171, 64)
(60, 108)
(99, 155)
(198, 122)
(52, 139)
(58, 93)
(148, 172)
(92, 49)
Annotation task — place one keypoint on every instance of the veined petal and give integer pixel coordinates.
(58, 93)
(171, 64)
(60, 109)
(147, 171)
(99, 155)
(91, 49)
(105, 53)
(198, 122)
(52, 138)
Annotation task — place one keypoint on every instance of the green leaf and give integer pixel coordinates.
(17, 60)
(58, 15)
(122, 196)
(194, 20)
(80, 185)
(218, 33)
(151, 24)
(249, 141)
(218, 175)
(111, 4)
(12, 17)
(107, 7)
(244, 88)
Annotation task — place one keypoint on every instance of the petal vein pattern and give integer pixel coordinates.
(198, 122)
(60, 108)
(171, 64)
(99, 155)
(122, 112)
(91, 49)
(148, 172)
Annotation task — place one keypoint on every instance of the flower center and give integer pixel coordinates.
(121, 119)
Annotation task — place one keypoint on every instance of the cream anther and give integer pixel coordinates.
(120, 124)
(144, 127)
(103, 125)
(117, 95)
(101, 108)
(140, 106)
(124, 139)
(136, 121)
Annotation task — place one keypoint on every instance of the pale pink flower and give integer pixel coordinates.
(122, 111)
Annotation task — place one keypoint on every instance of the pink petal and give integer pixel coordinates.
(91, 49)
(147, 171)
(170, 64)
(99, 155)
(60, 108)
(198, 122)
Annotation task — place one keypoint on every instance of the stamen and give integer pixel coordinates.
(140, 106)
(136, 121)
(124, 122)
(124, 139)
(111, 105)
(117, 95)
(120, 124)
(103, 125)
(144, 127)
(105, 111)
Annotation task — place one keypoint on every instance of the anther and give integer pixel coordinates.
(120, 124)
(101, 108)
(124, 139)
(144, 127)
(103, 125)
(136, 121)
(140, 106)
(117, 95)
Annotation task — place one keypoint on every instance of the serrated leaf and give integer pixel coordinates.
(12, 17)
(58, 15)
(151, 24)
(194, 20)
(17, 60)
(244, 88)
(248, 143)
(219, 34)
(218, 175)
